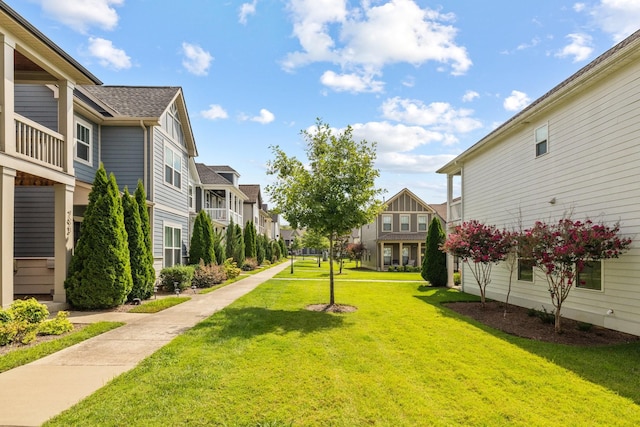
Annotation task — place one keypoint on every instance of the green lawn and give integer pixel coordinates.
(400, 360)
(308, 268)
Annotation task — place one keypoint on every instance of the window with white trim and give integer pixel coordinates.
(171, 123)
(172, 245)
(591, 276)
(542, 140)
(191, 204)
(386, 253)
(386, 222)
(404, 222)
(83, 135)
(422, 222)
(172, 167)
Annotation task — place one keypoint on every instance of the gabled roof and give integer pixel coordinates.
(135, 101)
(614, 58)
(413, 196)
(209, 176)
(253, 193)
(224, 168)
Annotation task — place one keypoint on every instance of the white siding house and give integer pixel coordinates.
(574, 151)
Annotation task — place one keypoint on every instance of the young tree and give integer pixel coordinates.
(250, 244)
(355, 252)
(483, 245)
(100, 271)
(141, 200)
(142, 284)
(562, 250)
(335, 193)
(314, 240)
(434, 263)
(202, 246)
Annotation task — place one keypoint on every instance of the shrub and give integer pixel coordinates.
(231, 268)
(434, 263)
(178, 274)
(29, 310)
(250, 264)
(57, 326)
(584, 326)
(142, 280)
(5, 316)
(8, 332)
(206, 276)
(457, 278)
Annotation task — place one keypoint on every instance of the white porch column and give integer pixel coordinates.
(7, 195)
(7, 123)
(419, 257)
(450, 283)
(400, 258)
(65, 122)
(63, 237)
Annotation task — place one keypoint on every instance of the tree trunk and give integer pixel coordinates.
(331, 294)
(558, 326)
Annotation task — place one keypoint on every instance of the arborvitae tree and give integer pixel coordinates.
(434, 264)
(268, 249)
(283, 247)
(231, 244)
(142, 284)
(260, 252)
(218, 247)
(141, 199)
(202, 245)
(250, 240)
(100, 276)
(275, 250)
(239, 255)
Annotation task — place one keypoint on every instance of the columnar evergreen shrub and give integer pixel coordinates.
(231, 243)
(260, 251)
(250, 243)
(239, 255)
(141, 200)
(218, 246)
(100, 271)
(275, 251)
(268, 249)
(434, 263)
(202, 245)
(283, 247)
(142, 284)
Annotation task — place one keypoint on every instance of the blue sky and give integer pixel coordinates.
(423, 79)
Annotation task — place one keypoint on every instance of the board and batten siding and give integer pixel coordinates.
(37, 102)
(123, 154)
(590, 171)
(34, 226)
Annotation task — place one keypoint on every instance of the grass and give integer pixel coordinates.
(26, 355)
(156, 305)
(308, 268)
(401, 359)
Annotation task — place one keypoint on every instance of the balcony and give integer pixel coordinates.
(455, 212)
(39, 143)
(224, 215)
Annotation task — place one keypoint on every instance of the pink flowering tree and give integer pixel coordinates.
(561, 250)
(480, 246)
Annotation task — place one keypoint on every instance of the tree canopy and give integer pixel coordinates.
(335, 192)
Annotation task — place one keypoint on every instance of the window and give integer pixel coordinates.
(172, 167)
(525, 269)
(387, 256)
(191, 196)
(386, 222)
(591, 276)
(171, 123)
(541, 136)
(404, 222)
(83, 137)
(172, 245)
(405, 256)
(422, 223)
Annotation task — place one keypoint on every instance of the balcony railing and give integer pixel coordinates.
(455, 211)
(224, 215)
(39, 143)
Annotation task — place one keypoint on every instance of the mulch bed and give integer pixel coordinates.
(334, 308)
(519, 322)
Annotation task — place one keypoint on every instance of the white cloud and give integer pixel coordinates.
(196, 60)
(245, 10)
(412, 163)
(470, 95)
(83, 14)
(363, 40)
(264, 117)
(108, 55)
(533, 43)
(395, 137)
(579, 7)
(516, 101)
(351, 82)
(619, 18)
(579, 48)
(214, 112)
(437, 115)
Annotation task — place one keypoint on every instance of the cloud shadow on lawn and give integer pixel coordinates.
(613, 367)
(248, 322)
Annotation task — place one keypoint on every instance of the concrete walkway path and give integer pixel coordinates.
(33, 393)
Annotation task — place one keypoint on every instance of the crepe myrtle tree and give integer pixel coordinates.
(331, 194)
(481, 246)
(562, 250)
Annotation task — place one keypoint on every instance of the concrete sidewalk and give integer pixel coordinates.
(33, 393)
